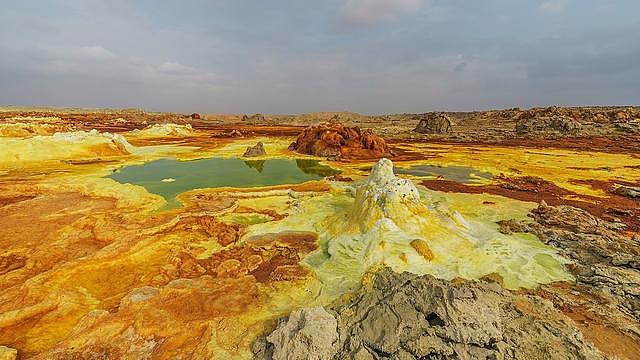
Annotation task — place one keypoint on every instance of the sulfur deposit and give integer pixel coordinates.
(390, 223)
(165, 130)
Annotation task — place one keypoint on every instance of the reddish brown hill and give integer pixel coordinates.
(336, 140)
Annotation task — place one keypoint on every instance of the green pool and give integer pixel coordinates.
(170, 177)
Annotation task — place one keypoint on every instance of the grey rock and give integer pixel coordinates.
(557, 123)
(307, 334)
(628, 191)
(603, 257)
(406, 316)
(253, 151)
(434, 123)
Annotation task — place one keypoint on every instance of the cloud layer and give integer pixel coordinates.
(374, 11)
(370, 56)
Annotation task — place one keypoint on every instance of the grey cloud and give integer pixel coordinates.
(283, 56)
(365, 12)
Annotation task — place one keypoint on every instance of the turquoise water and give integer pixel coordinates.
(181, 176)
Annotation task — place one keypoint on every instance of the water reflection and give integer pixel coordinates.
(255, 164)
(218, 172)
(314, 167)
(461, 174)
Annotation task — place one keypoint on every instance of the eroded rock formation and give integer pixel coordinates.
(434, 123)
(253, 151)
(334, 140)
(558, 123)
(628, 191)
(307, 334)
(604, 258)
(255, 118)
(405, 316)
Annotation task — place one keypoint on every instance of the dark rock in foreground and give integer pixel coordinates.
(406, 316)
(604, 258)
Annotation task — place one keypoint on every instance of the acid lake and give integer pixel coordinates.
(170, 177)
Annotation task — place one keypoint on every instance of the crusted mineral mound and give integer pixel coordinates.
(557, 123)
(434, 123)
(390, 222)
(21, 129)
(405, 316)
(159, 130)
(104, 142)
(335, 140)
(385, 196)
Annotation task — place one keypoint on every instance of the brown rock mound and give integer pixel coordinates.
(335, 140)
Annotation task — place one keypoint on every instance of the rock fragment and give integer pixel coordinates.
(257, 150)
(628, 191)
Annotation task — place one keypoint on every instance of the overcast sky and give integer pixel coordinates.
(277, 56)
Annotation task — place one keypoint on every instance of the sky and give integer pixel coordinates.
(279, 56)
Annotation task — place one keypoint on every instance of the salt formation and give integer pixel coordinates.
(385, 196)
(158, 130)
(115, 142)
(60, 146)
(21, 129)
(390, 224)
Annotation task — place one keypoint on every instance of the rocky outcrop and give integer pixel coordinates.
(632, 126)
(255, 118)
(253, 151)
(334, 140)
(628, 191)
(307, 334)
(405, 316)
(434, 123)
(557, 124)
(604, 259)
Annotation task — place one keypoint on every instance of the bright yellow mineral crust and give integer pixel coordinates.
(86, 242)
